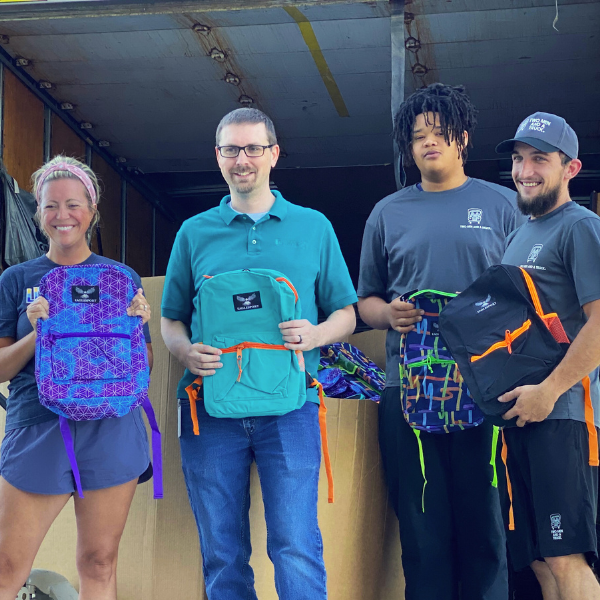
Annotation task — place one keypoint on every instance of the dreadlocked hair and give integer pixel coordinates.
(456, 115)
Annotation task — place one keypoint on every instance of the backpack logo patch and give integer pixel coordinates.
(485, 304)
(85, 294)
(474, 216)
(555, 527)
(535, 252)
(247, 301)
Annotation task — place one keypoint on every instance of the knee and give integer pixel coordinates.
(12, 575)
(98, 565)
(564, 566)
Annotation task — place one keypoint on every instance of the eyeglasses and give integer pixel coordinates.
(251, 151)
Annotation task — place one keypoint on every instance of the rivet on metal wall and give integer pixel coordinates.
(86, 125)
(22, 62)
(67, 106)
(413, 44)
(199, 28)
(103, 144)
(232, 79)
(217, 55)
(245, 100)
(121, 159)
(45, 85)
(419, 69)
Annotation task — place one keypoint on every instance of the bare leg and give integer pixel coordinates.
(101, 518)
(574, 577)
(24, 521)
(546, 579)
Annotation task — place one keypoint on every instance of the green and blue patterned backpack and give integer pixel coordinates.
(434, 395)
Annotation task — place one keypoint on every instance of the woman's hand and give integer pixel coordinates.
(38, 309)
(139, 307)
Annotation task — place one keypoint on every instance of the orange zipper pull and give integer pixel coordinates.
(239, 359)
(508, 341)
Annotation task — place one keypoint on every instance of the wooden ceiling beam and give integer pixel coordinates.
(20, 11)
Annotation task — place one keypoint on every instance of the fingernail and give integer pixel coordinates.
(420, 318)
(422, 312)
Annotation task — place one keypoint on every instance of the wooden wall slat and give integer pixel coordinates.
(23, 136)
(65, 141)
(165, 236)
(109, 207)
(138, 251)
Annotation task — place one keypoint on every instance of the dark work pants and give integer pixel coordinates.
(456, 549)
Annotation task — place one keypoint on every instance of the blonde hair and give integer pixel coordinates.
(39, 179)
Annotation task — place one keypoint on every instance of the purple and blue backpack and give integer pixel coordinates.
(90, 359)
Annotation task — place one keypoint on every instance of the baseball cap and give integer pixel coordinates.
(545, 132)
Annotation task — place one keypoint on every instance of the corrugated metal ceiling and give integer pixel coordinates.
(150, 88)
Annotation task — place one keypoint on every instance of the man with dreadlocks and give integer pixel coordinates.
(441, 234)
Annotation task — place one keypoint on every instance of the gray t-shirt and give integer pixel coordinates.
(18, 288)
(561, 252)
(433, 240)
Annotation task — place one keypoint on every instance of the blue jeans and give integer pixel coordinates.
(216, 466)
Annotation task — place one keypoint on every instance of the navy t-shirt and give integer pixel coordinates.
(18, 288)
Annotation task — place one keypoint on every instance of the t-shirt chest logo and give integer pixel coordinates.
(535, 252)
(474, 219)
(85, 294)
(31, 294)
(247, 301)
(474, 216)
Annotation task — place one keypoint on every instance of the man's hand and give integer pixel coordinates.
(403, 315)
(300, 334)
(534, 403)
(202, 360)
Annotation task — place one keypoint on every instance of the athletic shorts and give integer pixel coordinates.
(109, 452)
(554, 492)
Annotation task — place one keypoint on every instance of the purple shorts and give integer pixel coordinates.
(109, 452)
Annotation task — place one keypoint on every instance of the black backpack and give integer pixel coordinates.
(500, 337)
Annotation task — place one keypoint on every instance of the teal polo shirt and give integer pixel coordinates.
(296, 241)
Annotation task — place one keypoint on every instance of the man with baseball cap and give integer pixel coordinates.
(552, 455)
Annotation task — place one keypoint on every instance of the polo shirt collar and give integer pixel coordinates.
(278, 210)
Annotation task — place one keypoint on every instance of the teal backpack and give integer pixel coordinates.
(239, 313)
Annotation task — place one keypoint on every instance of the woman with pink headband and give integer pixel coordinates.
(35, 474)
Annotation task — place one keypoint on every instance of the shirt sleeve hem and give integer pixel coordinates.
(590, 298)
(339, 304)
(175, 315)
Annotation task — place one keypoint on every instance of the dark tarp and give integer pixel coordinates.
(21, 239)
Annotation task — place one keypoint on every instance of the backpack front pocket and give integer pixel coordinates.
(87, 356)
(251, 369)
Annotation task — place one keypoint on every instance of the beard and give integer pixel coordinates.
(540, 204)
(241, 188)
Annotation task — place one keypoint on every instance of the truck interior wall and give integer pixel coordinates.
(109, 207)
(65, 141)
(138, 246)
(165, 236)
(23, 131)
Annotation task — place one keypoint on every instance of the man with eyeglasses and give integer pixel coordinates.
(255, 227)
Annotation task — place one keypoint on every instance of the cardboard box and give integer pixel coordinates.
(159, 556)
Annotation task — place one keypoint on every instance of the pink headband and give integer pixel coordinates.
(79, 173)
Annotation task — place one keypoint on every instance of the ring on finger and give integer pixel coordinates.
(300, 338)
(145, 307)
